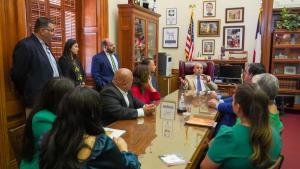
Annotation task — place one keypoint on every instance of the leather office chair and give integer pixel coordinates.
(186, 68)
(278, 163)
(16, 140)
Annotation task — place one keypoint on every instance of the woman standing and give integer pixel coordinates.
(70, 64)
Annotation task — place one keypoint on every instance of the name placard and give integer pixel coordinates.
(167, 110)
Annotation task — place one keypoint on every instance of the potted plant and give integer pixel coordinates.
(288, 21)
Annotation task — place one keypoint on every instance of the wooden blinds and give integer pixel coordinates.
(61, 12)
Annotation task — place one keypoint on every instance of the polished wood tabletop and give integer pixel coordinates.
(152, 136)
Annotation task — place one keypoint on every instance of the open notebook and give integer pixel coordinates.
(200, 121)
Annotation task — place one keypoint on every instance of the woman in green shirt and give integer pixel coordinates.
(41, 119)
(252, 143)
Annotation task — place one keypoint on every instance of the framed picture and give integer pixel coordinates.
(209, 28)
(233, 37)
(209, 8)
(171, 18)
(234, 15)
(170, 37)
(208, 47)
(289, 70)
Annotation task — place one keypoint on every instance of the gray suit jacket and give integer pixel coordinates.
(114, 107)
(191, 84)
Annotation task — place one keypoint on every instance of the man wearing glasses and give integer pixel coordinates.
(34, 63)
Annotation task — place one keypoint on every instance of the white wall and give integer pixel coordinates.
(183, 19)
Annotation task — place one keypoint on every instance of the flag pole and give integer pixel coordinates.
(189, 48)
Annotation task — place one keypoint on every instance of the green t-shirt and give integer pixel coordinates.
(41, 123)
(231, 147)
(274, 121)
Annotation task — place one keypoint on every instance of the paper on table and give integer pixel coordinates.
(113, 132)
(201, 122)
(172, 159)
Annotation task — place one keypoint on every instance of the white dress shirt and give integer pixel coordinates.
(203, 88)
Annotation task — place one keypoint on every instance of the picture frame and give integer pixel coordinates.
(208, 47)
(209, 28)
(234, 15)
(289, 70)
(167, 110)
(233, 38)
(170, 37)
(209, 9)
(171, 16)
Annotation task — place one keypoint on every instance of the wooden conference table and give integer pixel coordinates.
(152, 136)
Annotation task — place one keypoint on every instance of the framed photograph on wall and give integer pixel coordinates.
(209, 9)
(209, 28)
(233, 37)
(208, 47)
(171, 16)
(289, 70)
(170, 37)
(234, 15)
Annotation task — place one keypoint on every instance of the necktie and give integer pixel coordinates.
(52, 62)
(113, 63)
(199, 88)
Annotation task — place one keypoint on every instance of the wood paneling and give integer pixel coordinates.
(90, 49)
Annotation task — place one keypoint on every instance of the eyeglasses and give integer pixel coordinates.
(50, 30)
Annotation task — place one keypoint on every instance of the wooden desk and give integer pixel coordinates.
(227, 88)
(152, 136)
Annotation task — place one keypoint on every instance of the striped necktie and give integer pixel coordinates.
(199, 87)
(113, 63)
(52, 62)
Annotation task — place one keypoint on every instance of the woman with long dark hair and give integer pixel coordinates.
(250, 144)
(70, 64)
(41, 118)
(142, 87)
(77, 139)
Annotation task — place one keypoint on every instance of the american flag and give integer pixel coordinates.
(189, 46)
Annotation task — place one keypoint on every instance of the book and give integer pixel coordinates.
(113, 132)
(172, 159)
(199, 121)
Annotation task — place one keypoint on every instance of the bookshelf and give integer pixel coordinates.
(285, 62)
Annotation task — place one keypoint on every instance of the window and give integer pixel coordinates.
(61, 12)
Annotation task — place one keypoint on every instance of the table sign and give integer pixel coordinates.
(167, 110)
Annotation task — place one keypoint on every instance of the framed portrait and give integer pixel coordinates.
(208, 47)
(289, 70)
(209, 9)
(171, 18)
(170, 37)
(234, 15)
(209, 28)
(233, 37)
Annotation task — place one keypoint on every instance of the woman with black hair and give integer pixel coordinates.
(78, 141)
(70, 64)
(41, 118)
(252, 143)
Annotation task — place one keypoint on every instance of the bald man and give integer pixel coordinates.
(117, 102)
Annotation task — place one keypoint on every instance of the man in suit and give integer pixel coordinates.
(105, 64)
(117, 102)
(224, 106)
(34, 63)
(198, 81)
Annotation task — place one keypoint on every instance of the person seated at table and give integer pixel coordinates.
(142, 86)
(152, 67)
(253, 143)
(117, 101)
(41, 118)
(78, 141)
(270, 85)
(198, 81)
(224, 106)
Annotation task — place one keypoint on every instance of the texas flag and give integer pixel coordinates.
(257, 49)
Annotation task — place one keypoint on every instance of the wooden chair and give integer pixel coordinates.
(16, 140)
(278, 163)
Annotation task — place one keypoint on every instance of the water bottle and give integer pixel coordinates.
(181, 104)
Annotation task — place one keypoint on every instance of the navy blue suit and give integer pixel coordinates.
(102, 71)
(31, 69)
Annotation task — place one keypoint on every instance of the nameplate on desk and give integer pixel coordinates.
(167, 110)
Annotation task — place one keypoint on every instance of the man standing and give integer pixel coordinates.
(105, 64)
(117, 102)
(34, 63)
(198, 81)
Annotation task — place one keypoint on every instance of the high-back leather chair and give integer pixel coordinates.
(16, 140)
(186, 68)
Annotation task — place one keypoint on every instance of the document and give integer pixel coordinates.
(196, 120)
(172, 159)
(113, 132)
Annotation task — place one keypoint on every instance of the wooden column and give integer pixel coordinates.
(267, 6)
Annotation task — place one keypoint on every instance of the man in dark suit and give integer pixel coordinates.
(33, 62)
(117, 102)
(105, 64)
